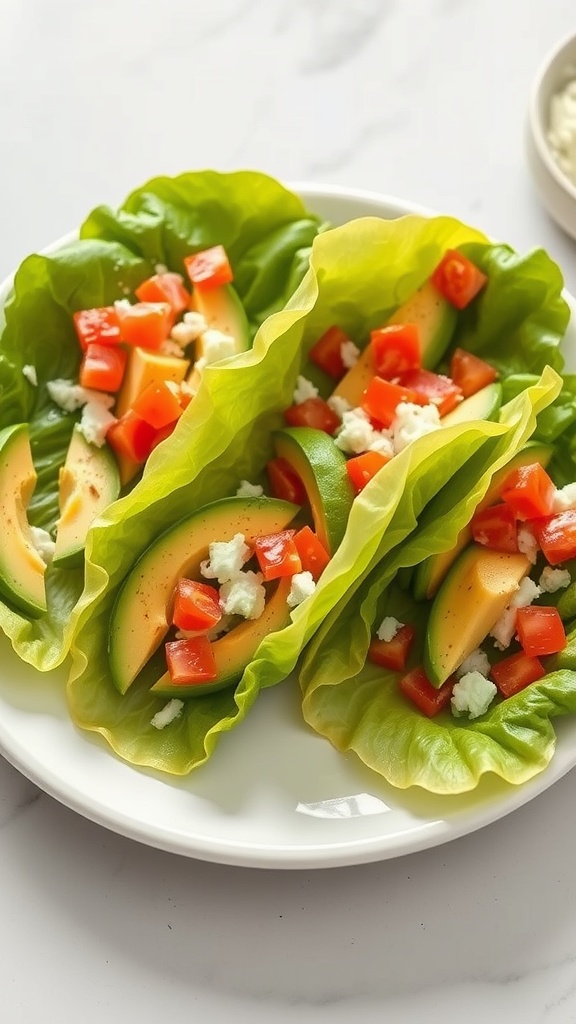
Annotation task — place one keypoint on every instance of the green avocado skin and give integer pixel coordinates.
(20, 583)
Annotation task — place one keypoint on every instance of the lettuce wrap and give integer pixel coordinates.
(358, 275)
(267, 233)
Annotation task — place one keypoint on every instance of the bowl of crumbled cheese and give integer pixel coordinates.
(551, 135)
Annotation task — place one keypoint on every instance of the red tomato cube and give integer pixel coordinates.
(396, 349)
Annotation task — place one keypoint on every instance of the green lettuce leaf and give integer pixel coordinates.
(268, 233)
(358, 273)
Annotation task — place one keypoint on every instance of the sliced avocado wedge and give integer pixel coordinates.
(435, 317)
(237, 648)
(141, 615)
(431, 572)
(21, 567)
(321, 467)
(89, 481)
(484, 405)
(471, 599)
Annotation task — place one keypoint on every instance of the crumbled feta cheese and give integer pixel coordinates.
(503, 630)
(183, 334)
(216, 345)
(472, 695)
(301, 587)
(225, 559)
(30, 373)
(248, 490)
(339, 405)
(243, 595)
(70, 396)
(388, 628)
(200, 364)
(195, 320)
(304, 390)
(161, 268)
(477, 661)
(356, 433)
(411, 422)
(170, 347)
(95, 422)
(43, 543)
(349, 353)
(172, 710)
(552, 580)
(527, 543)
(381, 442)
(564, 498)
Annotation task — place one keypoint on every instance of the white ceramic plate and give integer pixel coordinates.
(274, 795)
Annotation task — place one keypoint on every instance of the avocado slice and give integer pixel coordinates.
(471, 599)
(223, 311)
(430, 573)
(236, 649)
(321, 467)
(141, 614)
(89, 481)
(21, 567)
(484, 405)
(435, 317)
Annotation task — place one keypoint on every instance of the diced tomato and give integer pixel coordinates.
(381, 398)
(97, 325)
(396, 349)
(167, 287)
(327, 352)
(191, 661)
(458, 279)
(470, 373)
(313, 554)
(209, 268)
(363, 467)
(146, 324)
(131, 437)
(285, 482)
(102, 367)
(540, 630)
(529, 492)
(158, 404)
(314, 412)
(277, 555)
(433, 388)
(495, 527)
(162, 433)
(393, 654)
(516, 672)
(196, 605)
(556, 536)
(417, 687)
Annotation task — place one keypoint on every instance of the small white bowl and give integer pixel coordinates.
(556, 190)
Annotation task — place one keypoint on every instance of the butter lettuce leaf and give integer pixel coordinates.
(268, 233)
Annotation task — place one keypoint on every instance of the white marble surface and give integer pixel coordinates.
(424, 99)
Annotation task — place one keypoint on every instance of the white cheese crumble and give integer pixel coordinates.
(172, 710)
(564, 498)
(349, 353)
(70, 396)
(472, 695)
(225, 559)
(388, 628)
(411, 422)
(339, 405)
(562, 129)
(171, 347)
(43, 543)
(304, 390)
(195, 321)
(183, 334)
(248, 490)
(161, 268)
(503, 630)
(244, 595)
(301, 587)
(477, 661)
(216, 345)
(29, 372)
(527, 543)
(356, 433)
(552, 580)
(95, 422)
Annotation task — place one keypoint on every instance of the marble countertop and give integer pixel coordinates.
(425, 100)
